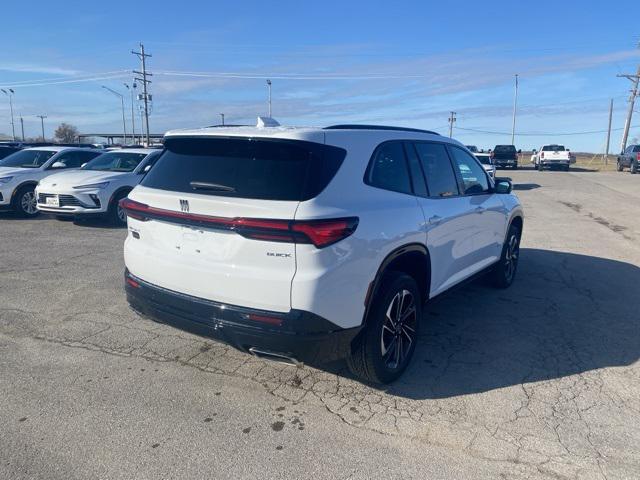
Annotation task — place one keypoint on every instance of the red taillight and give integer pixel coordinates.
(541, 154)
(320, 233)
(325, 232)
(638, 156)
(132, 282)
(134, 209)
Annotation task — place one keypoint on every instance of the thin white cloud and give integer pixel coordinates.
(31, 68)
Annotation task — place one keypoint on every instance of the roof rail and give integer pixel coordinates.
(378, 127)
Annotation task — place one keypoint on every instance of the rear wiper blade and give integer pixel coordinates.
(211, 186)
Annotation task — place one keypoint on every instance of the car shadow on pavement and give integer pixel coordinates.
(526, 186)
(564, 315)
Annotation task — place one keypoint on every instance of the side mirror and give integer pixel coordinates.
(503, 186)
(58, 165)
(519, 151)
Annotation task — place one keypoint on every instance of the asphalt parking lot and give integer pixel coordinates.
(538, 381)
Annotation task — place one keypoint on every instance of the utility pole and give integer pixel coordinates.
(133, 117)
(269, 87)
(10, 95)
(124, 123)
(222, 115)
(452, 120)
(606, 150)
(42, 117)
(515, 103)
(22, 127)
(145, 95)
(632, 99)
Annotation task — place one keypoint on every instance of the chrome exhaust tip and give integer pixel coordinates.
(275, 356)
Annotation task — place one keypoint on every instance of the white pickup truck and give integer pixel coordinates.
(552, 156)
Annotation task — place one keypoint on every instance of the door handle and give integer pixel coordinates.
(479, 209)
(435, 219)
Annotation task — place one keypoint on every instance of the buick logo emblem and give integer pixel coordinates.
(184, 206)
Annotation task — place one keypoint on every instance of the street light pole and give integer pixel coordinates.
(42, 117)
(133, 121)
(124, 124)
(222, 115)
(22, 127)
(515, 103)
(269, 86)
(10, 95)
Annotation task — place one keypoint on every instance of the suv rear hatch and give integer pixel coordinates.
(215, 217)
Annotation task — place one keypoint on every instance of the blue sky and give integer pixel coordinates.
(402, 63)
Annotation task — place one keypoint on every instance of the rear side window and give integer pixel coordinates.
(441, 179)
(473, 175)
(388, 169)
(505, 149)
(287, 170)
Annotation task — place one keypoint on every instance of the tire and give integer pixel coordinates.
(115, 215)
(619, 166)
(633, 168)
(539, 166)
(505, 270)
(566, 169)
(24, 202)
(515, 166)
(384, 348)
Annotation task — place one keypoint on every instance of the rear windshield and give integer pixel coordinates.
(288, 170)
(27, 158)
(636, 148)
(553, 148)
(484, 159)
(505, 149)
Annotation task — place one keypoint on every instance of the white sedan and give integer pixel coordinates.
(98, 186)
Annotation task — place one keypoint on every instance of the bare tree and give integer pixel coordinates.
(66, 133)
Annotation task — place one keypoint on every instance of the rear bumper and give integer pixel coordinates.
(297, 335)
(504, 162)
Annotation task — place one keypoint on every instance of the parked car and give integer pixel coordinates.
(487, 163)
(472, 148)
(630, 159)
(551, 156)
(310, 244)
(97, 187)
(21, 171)
(505, 156)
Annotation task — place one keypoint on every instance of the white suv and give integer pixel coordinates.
(311, 244)
(97, 188)
(20, 172)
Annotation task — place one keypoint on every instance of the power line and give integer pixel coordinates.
(73, 79)
(536, 134)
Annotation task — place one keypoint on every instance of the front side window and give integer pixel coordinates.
(388, 169)
(473, 176)
(441, 179)
(27, 158)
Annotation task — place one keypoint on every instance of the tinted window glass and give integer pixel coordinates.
(473, 175)
(636, 148)
(441, 180)
(553, 148)
(417, 177)
(505, 149)
(27, 158)
(246, 168)
(115, 162)
(388, 169)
